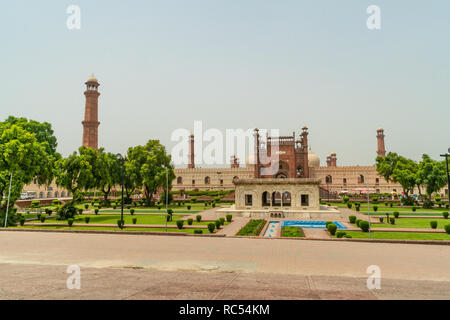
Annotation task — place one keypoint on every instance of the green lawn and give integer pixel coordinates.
(399, 235)
(65, 227)
(252, 228)
(292, 232)
(412, 223)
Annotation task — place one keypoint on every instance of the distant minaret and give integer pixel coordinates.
(90, 123)
(191, 163)
(381, 152)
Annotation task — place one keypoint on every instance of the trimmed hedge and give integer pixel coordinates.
(332, 228)
(364, 225)
(352, 219)
(252, 228)
(433, 224)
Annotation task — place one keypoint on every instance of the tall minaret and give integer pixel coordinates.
(90, 123)
(381, 152)
(191, 163)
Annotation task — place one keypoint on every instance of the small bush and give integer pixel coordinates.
(131, 211)
(87, 219)
(445, 215)
(217, 223)
(349, 205)
(190, 221)
(198, 231)
(42, 219)
(340, 234)
(213, 204)
(120, 224)
(128, 207)
(357, 208)
(222, 221)
(352, 219)
(433, 224)
(70, 222)
(229, 217)
(327, 223)
(396, 214)
(114, 206)
(198, 218)
(391, 204)
(381, 220)
(414, 209)
(357, 222)
(86, 206)
(180, 224)
(428, 204)
(447, 228)
(189, 207)
(96, 210)
(332, 228)
(392, 220)
(375, 208)
(364, 225)
(211, 227)
(22, 220)
(134, 220)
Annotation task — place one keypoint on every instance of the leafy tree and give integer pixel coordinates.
(77, 172)
(146, 166)
(431, 174)
(108, 172)
(398, 169)
(25, 156)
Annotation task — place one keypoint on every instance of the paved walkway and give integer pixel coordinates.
(162, 226)
(316, 233)
(234, 227)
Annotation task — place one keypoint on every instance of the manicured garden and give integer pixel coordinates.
(398, 235)
(252, 228)
(412, 223)
(292, 232)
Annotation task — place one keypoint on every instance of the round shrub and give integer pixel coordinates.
(70, 222)
(364, 225)
(447, 228)
(414, 209)
(445, 215)
(180, 224)
(211, 227)
(327, 223)
(131, 211)
(198, 218)
(80, 211)
(190, 221)
(213, 204)
(433, 224)
(114, 206)
(392, 220)
(352, 219)
(375, 208)
(189, 207)
(22, 220)
(120, 224)
(134, 220)
(229, 217)
(42, 219)
(96, 210)
(396, 214)
(357, 208)
(391, 204)
(340, 234)
(217, 223)
(222, 221)
(349, 205)
(332, 228)
(357, 222)
(381, 220)
(198, 231)
(87, 219)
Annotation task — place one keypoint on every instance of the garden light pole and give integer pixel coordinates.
(167, 195)
(368, 208)
(7, 205)
(122, 165)
(448, 176)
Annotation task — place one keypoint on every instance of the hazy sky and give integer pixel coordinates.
(234, 64)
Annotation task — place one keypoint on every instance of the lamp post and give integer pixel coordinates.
(167, 195)
(122, 165)
(448, 176)
(7, 205)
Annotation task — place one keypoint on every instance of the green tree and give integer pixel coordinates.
(398, 169)
(23, 156)
(108, 172)
(146, 166)
(77, 172)
(431, 174)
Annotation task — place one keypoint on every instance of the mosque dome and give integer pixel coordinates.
(92, 79)
(313, 159)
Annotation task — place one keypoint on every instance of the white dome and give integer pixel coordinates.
(313, 159)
